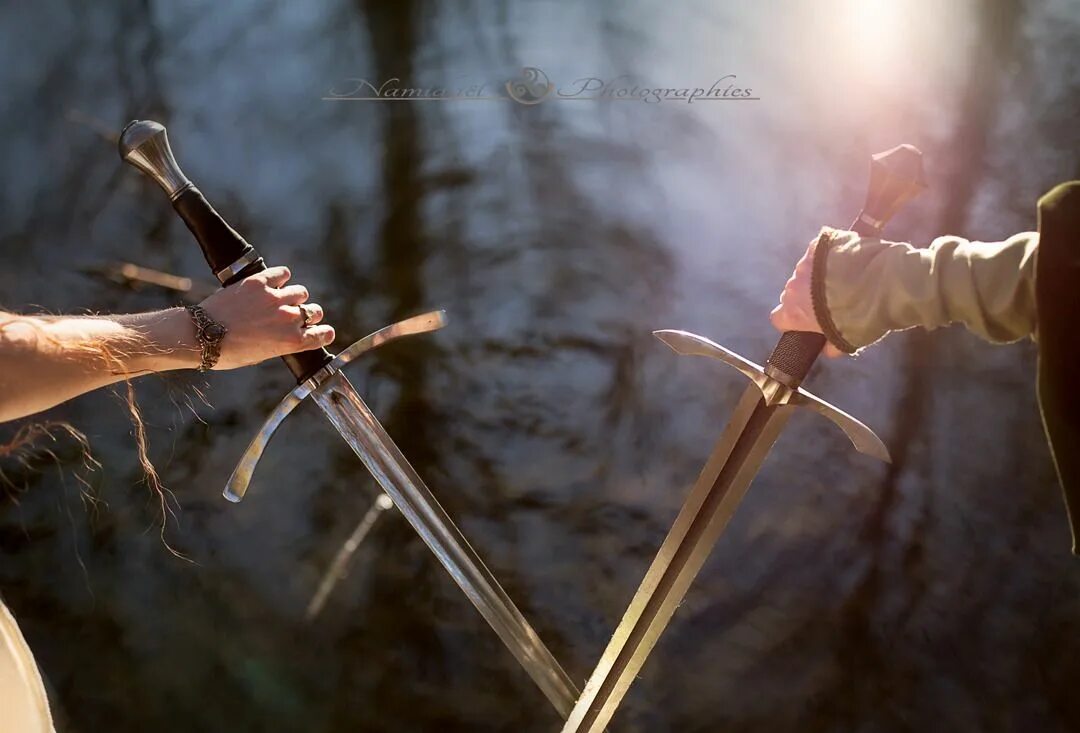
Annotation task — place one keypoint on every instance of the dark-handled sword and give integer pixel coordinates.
(774, 393)
(145, 145)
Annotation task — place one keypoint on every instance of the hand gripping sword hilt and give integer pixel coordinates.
(145, 145)
(896, 177)
(238, 482)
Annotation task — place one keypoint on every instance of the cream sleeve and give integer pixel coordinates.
(870, 287)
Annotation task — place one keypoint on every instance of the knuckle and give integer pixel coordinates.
(258, 289)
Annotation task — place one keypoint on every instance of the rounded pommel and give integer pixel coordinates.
(145, 145)
(896, 177)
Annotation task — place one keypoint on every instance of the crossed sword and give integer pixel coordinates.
(760, 415)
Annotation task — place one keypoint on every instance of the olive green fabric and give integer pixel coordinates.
(1027, 285)
(873, 287)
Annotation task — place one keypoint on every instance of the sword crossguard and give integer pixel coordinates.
(776, 392)
(237, 485)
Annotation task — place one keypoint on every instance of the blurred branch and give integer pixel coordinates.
(135, 277)
(339, 568)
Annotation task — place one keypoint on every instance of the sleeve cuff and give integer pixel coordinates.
(817, 293)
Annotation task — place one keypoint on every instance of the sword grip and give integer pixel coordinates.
(221, 245)
(794, 355)
(145, 145)
(896, 176)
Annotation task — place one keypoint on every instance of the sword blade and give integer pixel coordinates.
(372, 444)
(738, 455)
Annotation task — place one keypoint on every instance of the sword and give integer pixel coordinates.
(773, 394)
(145, 145)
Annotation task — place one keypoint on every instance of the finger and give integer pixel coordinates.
(293, 295)
(779, 319)
(275, 277)
(317, 336)
(314, 313)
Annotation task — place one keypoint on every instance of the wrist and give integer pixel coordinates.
(209, 333)
(170, 341)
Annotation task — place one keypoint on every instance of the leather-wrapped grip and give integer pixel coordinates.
(795, 353)
(221, 245)
(305, 363)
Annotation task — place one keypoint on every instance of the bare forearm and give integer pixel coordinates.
(45, 360)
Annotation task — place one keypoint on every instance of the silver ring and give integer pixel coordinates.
(307, 312)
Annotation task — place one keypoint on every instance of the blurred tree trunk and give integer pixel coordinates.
(868, 681)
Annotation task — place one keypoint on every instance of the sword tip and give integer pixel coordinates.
(661, 333)
(671, 337)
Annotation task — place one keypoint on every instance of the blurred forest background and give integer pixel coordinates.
(846, 596)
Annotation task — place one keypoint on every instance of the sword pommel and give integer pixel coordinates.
(145, 145)
(896, 177)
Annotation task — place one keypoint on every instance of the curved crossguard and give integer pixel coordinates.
(775, 392)
(241, 475)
